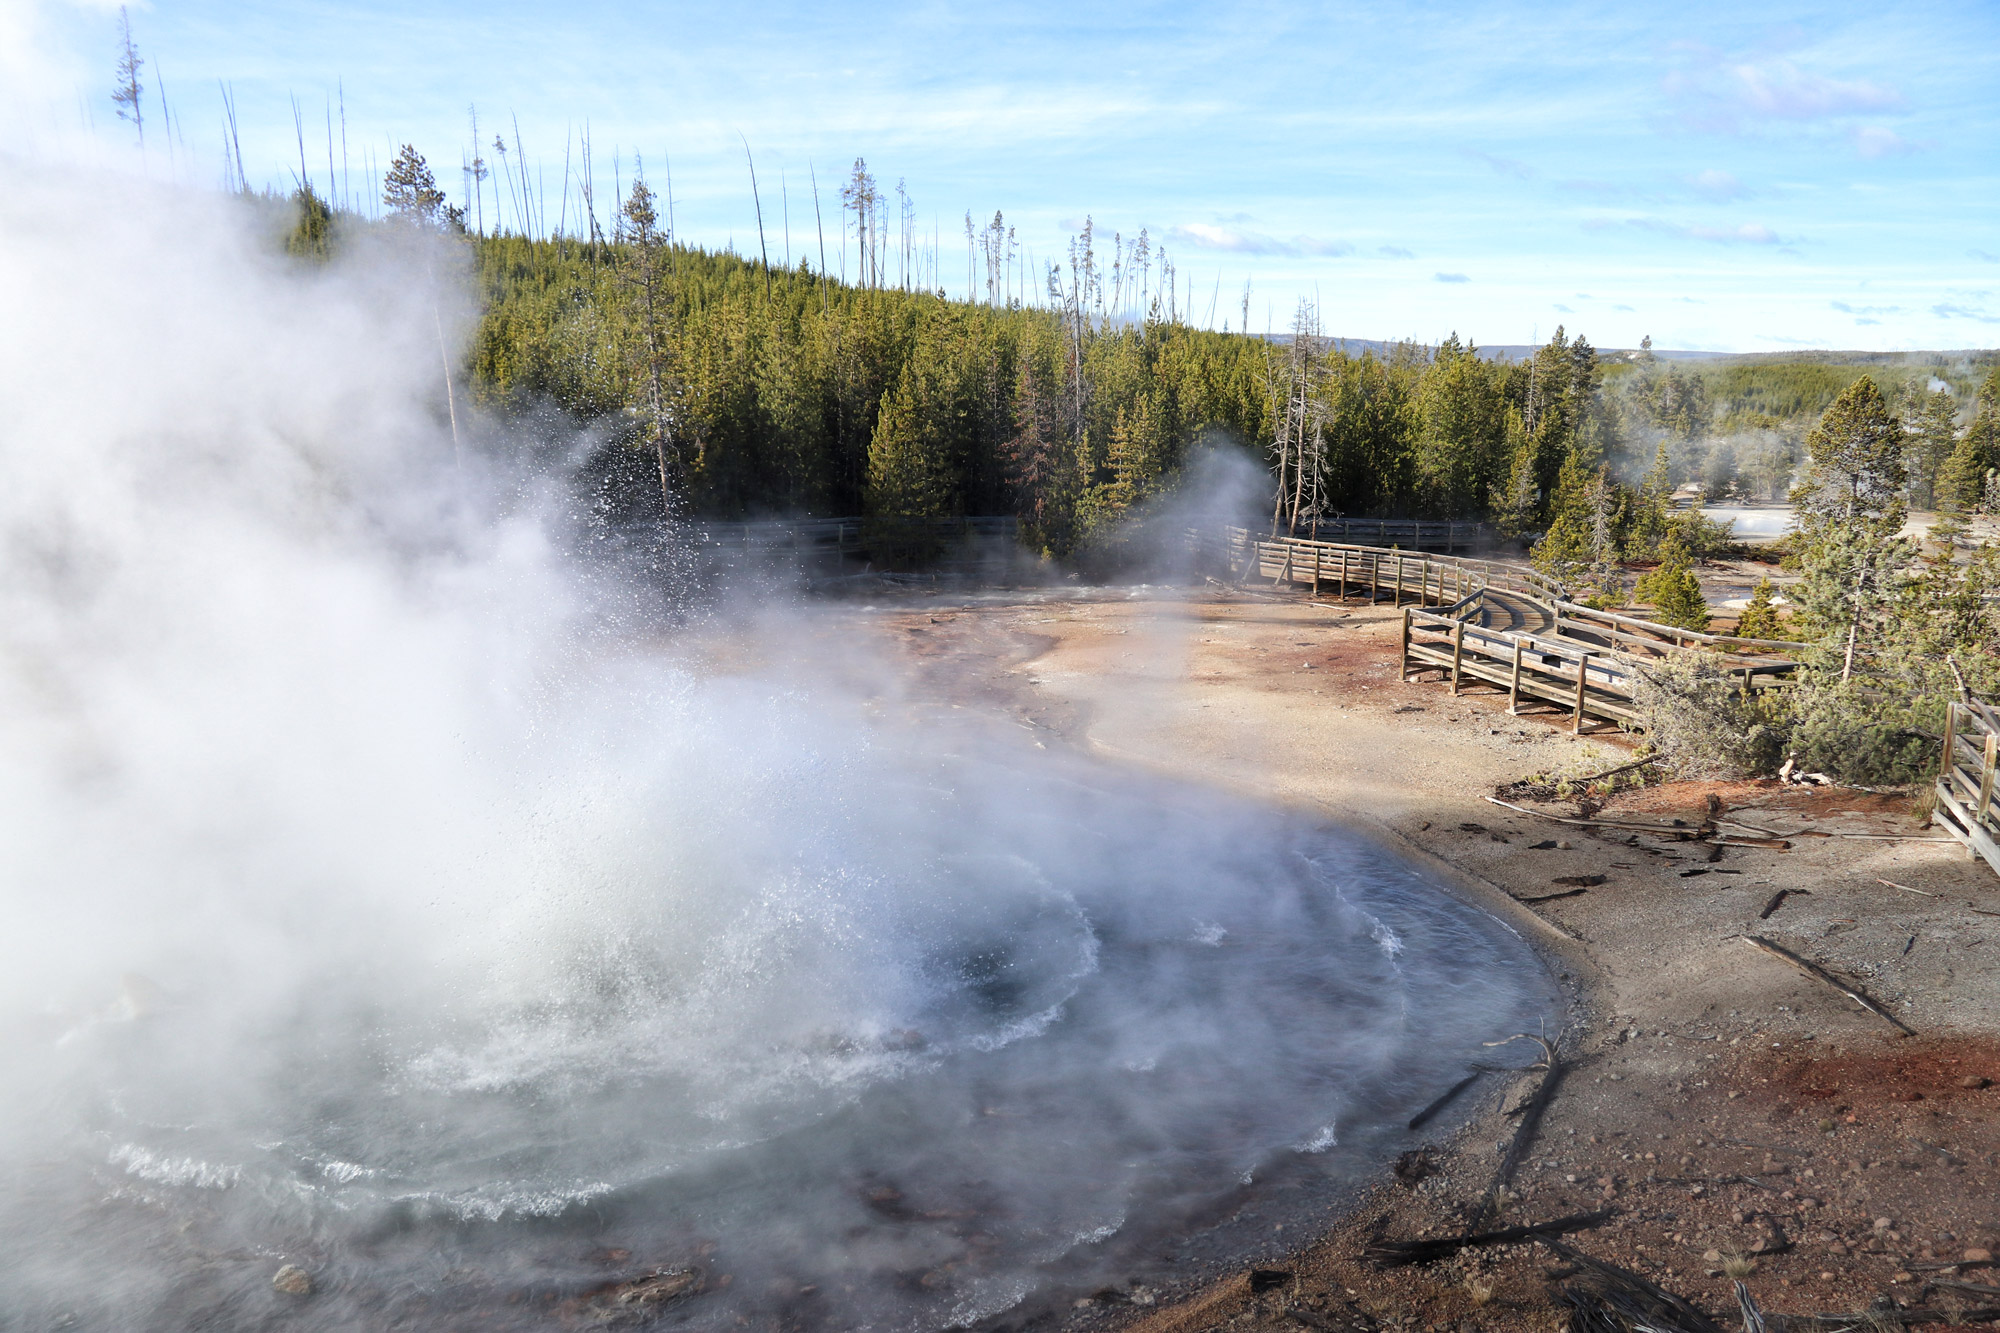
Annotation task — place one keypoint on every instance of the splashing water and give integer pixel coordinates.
(387, 900)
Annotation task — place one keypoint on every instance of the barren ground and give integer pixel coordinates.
(1741, 1118)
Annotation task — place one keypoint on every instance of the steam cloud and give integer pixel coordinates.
(387, 893)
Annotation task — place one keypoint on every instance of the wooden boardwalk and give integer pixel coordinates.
(1505, 626)
(1965, 779)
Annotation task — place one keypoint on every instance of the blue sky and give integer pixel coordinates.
(1728, 177)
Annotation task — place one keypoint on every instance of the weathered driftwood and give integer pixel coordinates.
(1746, 1305)
(1679, 832)
(1398, 1253)
(1893, 1316)
(1526, 1129)
(1820, 974)
(1608, 1299)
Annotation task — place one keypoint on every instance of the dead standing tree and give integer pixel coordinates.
(128, 90)
(860, 195)
(1298, 419)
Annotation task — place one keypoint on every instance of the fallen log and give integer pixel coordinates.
(1820, 974)
(1400, 1253)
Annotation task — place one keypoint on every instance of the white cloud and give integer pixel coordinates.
(1717, 93)
(1880, 141)
(1718, 185)
(1239, 241)
(1748, 233)
(1449, 277)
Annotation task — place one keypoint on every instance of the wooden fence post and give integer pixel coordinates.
(1399, 580)
(1514, 685)
(1343, 573)
(1582, 682)
(1457, 652)
(1405, 671)
(1950, 745)
(1986, 763)
(1315, 571)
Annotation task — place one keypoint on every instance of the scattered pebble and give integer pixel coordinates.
(292, 1281)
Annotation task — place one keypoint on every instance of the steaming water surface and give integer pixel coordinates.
(880, 1041)
(375, 906)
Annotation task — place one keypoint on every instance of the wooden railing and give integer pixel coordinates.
(1417, 534)
(1965, 779)
(1588, 665)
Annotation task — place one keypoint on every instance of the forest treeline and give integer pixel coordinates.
(716, 385)
(754, 390)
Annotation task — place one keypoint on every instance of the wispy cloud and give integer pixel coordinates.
(1626, 308)
(1846, 309)
(1236, 240)
(1982, 257)
(1748, 233)
(1505, 166)
(1947, 310)
(1717, 92)
(1560, 307)
(1880, 141)
(1394, 252)
(1717, 185)
(1449, 277)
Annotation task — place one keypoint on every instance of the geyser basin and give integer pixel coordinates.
(955, 1037)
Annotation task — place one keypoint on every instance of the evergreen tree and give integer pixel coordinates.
(644, 270)
(1675, 592)
(1962, 481)
(1514, 504)
(1855, 471)
(916, 460)
(1462, 447)
(409, 191)
(1931, 430)
(1759, 619)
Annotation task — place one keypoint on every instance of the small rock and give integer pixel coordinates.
(292, 1281)
(1977, 1256)
(1975, 1082)
(1884, 1223)
(1900, 1276)
(1715, 1256)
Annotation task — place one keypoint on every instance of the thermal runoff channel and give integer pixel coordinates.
(396, 905)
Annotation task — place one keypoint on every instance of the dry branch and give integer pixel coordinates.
(1396, 1253)
(1820, 974)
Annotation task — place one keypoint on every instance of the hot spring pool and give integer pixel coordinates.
(1031, 1032)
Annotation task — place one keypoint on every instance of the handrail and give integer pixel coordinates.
(1965, 791)
(1584, 677)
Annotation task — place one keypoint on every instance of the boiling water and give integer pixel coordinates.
(377, 904)
(915, 1044)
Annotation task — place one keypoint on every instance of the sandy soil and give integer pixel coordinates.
(1741, 1119)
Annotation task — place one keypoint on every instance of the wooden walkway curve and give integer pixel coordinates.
(1505, 626)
